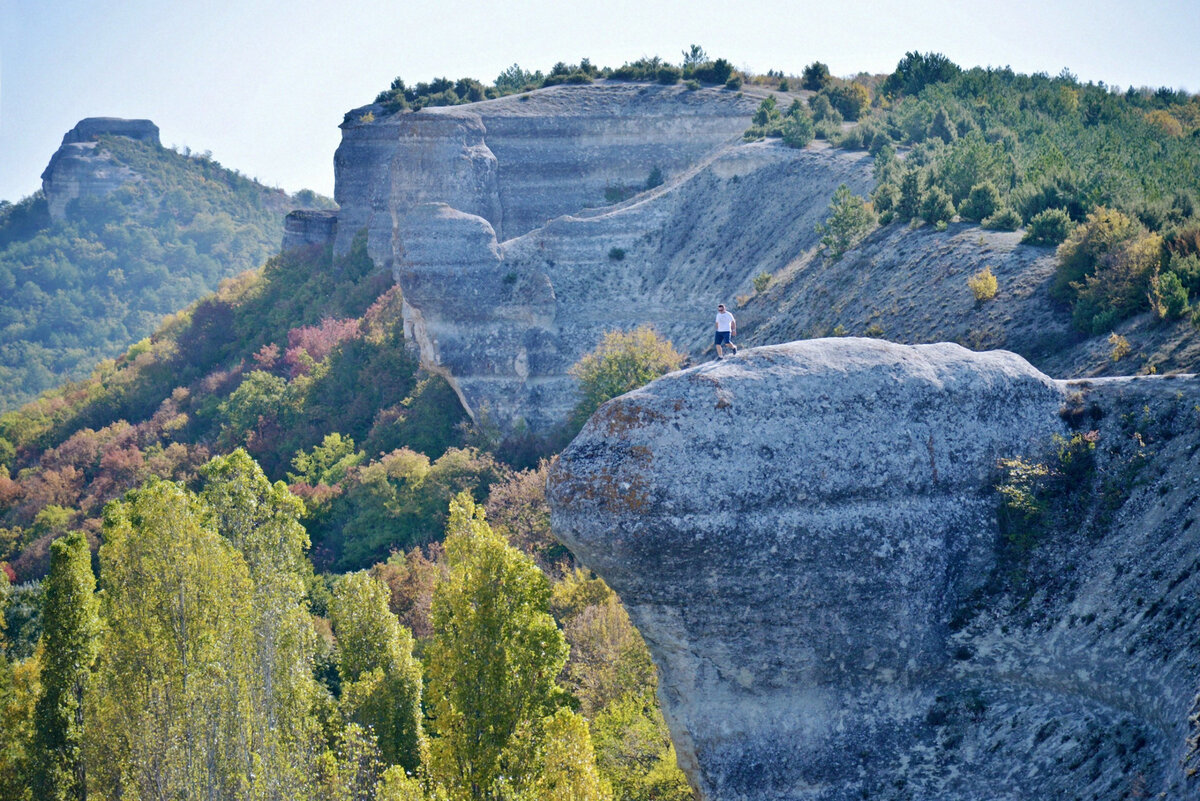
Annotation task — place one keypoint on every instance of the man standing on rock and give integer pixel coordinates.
(726, 330)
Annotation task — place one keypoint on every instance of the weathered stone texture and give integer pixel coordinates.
(806, 536)
(80, 169)
(308, 228)
(494, 219)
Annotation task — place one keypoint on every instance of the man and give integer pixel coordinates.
(726, 330)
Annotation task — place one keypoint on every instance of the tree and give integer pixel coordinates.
(938, 206)
(172, 689)
(851, 218)
(850, 100)
(916, 71)
(262, 520)
(381, 681)
(70, 637)
(623, 361)
(981, 203)
(909, 204)
(493, 658)
(694, 56)
(816, 76)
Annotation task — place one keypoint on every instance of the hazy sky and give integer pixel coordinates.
(264, 84)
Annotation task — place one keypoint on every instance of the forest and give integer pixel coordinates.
(262, 554)
(78, 290)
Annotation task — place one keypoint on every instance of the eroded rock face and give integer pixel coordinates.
(503, 225)
(309, 227)
(79, 168)
(806, 536)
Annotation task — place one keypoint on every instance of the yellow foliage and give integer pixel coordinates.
(983, 284)
(1165, 122)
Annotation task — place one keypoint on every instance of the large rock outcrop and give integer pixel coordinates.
(80, 168)
(504, 224)
(806, 536)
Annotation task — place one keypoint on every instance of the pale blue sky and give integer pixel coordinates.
(263, 84)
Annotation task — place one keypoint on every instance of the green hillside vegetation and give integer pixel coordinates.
(296, 363)
(75, 291)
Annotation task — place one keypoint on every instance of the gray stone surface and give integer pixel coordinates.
(806, 536)
(309, 227)
(494, 219)
(79, 168)
(91, 128)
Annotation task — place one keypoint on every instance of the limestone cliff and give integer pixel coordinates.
(504, 224)
(80, 168)
(807, 537)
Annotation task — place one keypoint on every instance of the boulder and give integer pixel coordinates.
(806, 535)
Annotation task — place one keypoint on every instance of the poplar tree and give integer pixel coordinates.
(172, 687)
(492, 660)
(262, 520)
(70, 638)
(381, 681)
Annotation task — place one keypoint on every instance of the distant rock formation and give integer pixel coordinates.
(309, 227)
(521, 229)
(806, 536)
(80, 169)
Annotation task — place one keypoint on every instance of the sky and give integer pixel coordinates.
(263, 84)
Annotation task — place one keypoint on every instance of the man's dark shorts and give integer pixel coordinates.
(722, 338)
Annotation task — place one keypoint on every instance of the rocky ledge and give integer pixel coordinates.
(807, 537)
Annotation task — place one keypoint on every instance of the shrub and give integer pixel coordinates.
(1005, 219)
(669, 75)
(623, 361)
(655, 178)
(762, 281)
(784, 86)
(911, 196)
(981, 203)
(851, 218)
(1119, 285)
(1103, 232)
(616, 254)
(823, 110)
(1049, 227)
(1169, 297)
(798, 129)
(937, 206)
(850, 100)
(734, 82)
(1120, 346)
(692, 85)
(983, 285)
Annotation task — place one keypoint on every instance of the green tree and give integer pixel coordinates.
(1048, 227)
(70, 637)
(262, 520)
(381, 681)
(851, 218)
(172, 689)
(493, 658)
(911, 197)
(816, 76)
(623, 361)
(938, 206)
(326, 463)
(981, 203)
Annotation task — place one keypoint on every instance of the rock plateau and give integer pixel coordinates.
(81, 168)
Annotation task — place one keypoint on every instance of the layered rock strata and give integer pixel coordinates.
(79, 168)
(308, 228)
(806, 536)
(504, 224)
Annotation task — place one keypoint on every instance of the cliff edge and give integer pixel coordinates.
(807, 537)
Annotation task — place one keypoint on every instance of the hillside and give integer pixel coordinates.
(406, 363)
(123, 233)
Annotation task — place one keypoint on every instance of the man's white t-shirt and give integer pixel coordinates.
(724, 321)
